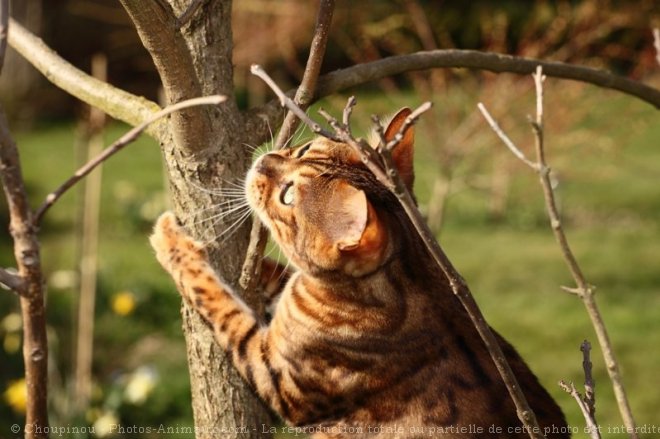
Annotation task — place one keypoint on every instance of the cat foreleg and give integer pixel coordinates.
(235, 326)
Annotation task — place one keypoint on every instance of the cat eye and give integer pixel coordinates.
(303, 150)
(286, 196)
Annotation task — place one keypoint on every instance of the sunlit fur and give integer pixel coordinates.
(367, 339)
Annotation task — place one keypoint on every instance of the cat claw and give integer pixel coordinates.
(163, 238)
(171, 242)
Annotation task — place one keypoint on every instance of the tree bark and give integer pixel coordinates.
(33, 311)
(205, 149)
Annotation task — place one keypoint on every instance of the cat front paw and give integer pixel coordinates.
(172, 245)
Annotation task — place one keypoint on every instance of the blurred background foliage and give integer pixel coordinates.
(485, 206)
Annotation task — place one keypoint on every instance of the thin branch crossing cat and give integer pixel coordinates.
(367, 339)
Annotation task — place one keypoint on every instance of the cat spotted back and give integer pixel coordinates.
(367, 339)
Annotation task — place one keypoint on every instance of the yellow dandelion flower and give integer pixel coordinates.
(123, 303)
(16, 395)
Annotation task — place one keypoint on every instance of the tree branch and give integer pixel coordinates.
(268, 115)
(304, 97)
(584, 290)
(28, 260)
(117, 146)
(26, 252)
(592, 427)
(586, 403)
(472, 59)
(158, 29)
(116, 102)
(383, 169)
(286, 101)
(589, 384)
(305, 92)
(12, 281)
(500, 133)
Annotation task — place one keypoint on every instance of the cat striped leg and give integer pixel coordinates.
(235, 326)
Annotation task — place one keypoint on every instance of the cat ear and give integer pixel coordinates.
(403, 152)
(347, 216)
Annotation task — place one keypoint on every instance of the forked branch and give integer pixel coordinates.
(586, 402)
(583, 289)
(383, 169)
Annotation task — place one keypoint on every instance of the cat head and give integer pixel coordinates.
(324, 207)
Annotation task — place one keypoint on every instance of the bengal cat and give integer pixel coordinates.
(367, 339)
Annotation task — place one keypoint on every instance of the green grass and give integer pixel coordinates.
(606, 161)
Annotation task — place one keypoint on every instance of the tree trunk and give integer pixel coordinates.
(205, 149)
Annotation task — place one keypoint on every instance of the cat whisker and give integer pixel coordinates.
(272, 276)
(234, 190)
(238, 201)
(287, 266)
(272, 249)
(327, 171)
(270, 146)
(300, 133)
(235, 201)
(251, 148)
(227, 233)
(232, 211)
(238, 183)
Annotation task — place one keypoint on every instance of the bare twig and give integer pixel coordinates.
(251, 270)
(124, 140)
(586, 402)
(305, 92)
(12, 281)
(584, 290)
(386, 174)
(592, 427)
(571, 290)
(589, 384)
(287, 102)
(410, 120)
(502, 135)
(304, 95)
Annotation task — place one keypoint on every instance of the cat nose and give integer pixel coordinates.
(268, 164)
